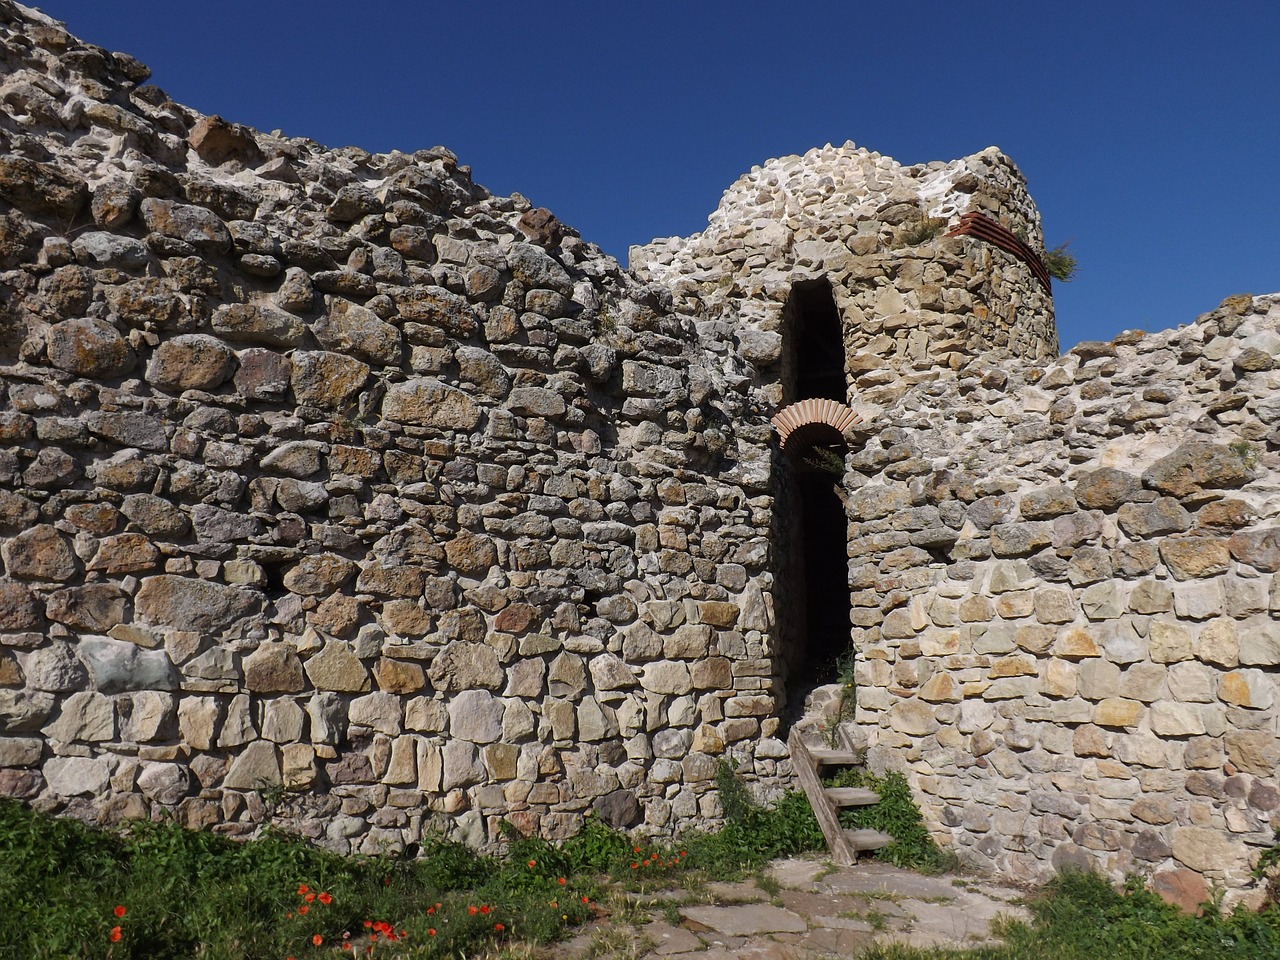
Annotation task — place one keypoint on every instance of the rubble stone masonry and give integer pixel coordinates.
(338, 492)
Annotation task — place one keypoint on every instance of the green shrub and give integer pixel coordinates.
(1060, 263)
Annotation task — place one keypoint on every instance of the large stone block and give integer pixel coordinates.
(189, 604)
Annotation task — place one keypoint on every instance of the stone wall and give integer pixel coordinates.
(336, 490)
(330, 471)
(1066, 603)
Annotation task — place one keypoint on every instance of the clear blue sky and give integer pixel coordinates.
(1149, 132)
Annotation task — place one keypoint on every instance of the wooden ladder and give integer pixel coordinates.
(844, 845)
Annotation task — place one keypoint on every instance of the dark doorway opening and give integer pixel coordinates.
(811, 526)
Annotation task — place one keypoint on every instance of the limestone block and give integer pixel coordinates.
(259, 323)
(1099, 679)
(1208, 849)
(337, 668)
(595, 721)
(20, 751)
(1259, 644)
(1075, 643)
(566, 676)
(1169, 642)
(382, 712)
(1253, 751)
(689, 641)
(1248, 688)
(399, 676)
(464, 665)
(1106, 488)
(1170, 719)
(1260, 549)
(1196, 466)
(913, 718)
(77, 776)
(1218, 643)
(428, 402)
(1190, 558)
(257, 767)
(1162, 516)
(190, 604)
(40, 553)
(198, 721)
(426, 715)
(55, 668)
(1054, 605)
(1015, 604)
(298, 762)
(282, 721)
(1117, 712)
(84, 716)
(326, 380)
(562, 716)
(238, 727)
(941, 688)
(350, 329)
(518, 722)
(190, 361)
(1143, 681)
(1150, 596)
(935, 642)
(164, 783)
(88, 348)
(1060, 679)
(273, 668)
(667, 676)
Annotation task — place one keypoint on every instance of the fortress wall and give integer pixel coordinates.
(334, 488)
(1066, 602)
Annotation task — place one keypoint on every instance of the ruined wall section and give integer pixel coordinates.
(331, 472)
(912, 300)
(1066, 604)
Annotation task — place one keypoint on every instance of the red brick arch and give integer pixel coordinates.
(816, 420)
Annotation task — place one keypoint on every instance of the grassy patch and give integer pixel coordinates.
(1082, 917)
(159, 891)
(897, 815)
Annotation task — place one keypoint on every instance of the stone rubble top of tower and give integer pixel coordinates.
(913, 301)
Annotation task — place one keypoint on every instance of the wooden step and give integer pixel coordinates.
(867, 839)
(852, 796)
(825, 755)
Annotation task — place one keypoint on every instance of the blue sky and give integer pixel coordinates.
(1149, 132)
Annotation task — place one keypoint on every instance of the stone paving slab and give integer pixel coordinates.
(746, 920)
(822, 911)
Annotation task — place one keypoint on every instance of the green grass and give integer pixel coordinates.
(194, 894)
(1080, 916)
(897, 815)
(197, 894)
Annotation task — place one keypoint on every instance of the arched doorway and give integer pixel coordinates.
(811, 526)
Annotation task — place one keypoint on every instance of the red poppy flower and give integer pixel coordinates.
(635, 849)
(317, 940)
(554, 905)
(119, 911)
(472, 910)
(116, 935)
(430, 911)
(533, 863)
(368, 924)
(635, 866)
(485, 908)
(303, 909)
(431, 931)
(586, 899)
(310, 898)
(562, 881)
(302, 888)
(326, 899)
(499, 927)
